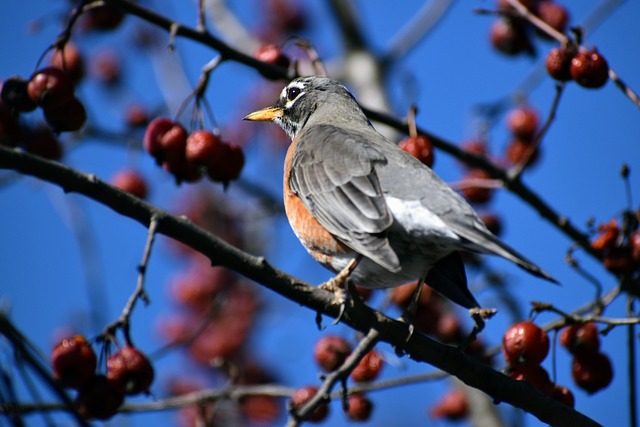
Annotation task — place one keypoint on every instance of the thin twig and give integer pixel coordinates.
(631, 354)
(340, 374)
(139, 293)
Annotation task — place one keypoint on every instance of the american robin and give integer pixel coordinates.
(362, 206)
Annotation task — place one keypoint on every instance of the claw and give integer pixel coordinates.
(479, 316)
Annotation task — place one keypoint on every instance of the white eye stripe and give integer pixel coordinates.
(287, 91)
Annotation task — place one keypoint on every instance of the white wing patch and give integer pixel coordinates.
(418, 221)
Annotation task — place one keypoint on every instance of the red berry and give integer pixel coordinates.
(136, 116)
(448, 329)
(592, 372)
(227, 165)
(331, 351)
(203, 146)
(475, 146)
(130, 181)
(581, 339)
(492, 221)
(359, 407)
(589, 69)
(525, 344)
(564, 395)
(42, 142)
(263, 410)
(523, 122)
(368, 368)
(15, 95)
(509, 37)
(50, 88)
(153, 135)
(554, 14)
(453, 406)
(474, 193)
(272, 54)
(302, 396)
(559, 63)
(104, 18)
(66, 118)
(73, 361)
(522, 150)
(182, 170)
(99, 399)
(106, 67)
(419, 147)
(132, 369)
(535, 375)
(69, 60)
(634, 244)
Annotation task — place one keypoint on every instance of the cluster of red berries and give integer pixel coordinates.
(51, 89)
(330, 352)
(587, 67)
(524, 346)
(511, 35)
(620, 252)
(188, 156)
(591, 369)
(523, 122)
(128, 372)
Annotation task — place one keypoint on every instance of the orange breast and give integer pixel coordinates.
(314, 237)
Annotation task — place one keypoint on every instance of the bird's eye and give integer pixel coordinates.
(292, 93)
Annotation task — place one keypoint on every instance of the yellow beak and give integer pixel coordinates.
(268, 114)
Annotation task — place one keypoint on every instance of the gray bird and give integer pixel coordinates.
(362, 206)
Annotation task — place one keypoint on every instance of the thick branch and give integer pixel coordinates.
(357, 315)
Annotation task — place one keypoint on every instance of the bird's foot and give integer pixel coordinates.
(479, 316)
(338, 286)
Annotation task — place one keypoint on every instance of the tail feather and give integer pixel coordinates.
(485, 241)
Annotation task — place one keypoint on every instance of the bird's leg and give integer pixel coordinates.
(338, 284)
(479, 315)
(409, 313)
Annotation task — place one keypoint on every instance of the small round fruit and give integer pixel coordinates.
(202, 147)
(359, 407)
(525, 344)
(272, 54)
(153, 135)
(473, 193)
(107, 67)
(581, 339)
(103, 18)
(523, 122)
(99, 399)
(50, 88)
(634, 244)
(227, 165)
(509, 37)
(368, 368)
(522, 152)
(535, 375)
(452, 406)
(589, 69)
(419, 147)
(554, 14)
(68, 117)
(559, 63)
(73, 361)
(69, 59)
(136, 116)
(131, 181)
(607, 237)
(15, 96)
(302, 396)
(564, 395)
(330, 352)
(492, 221)
(592, 372)
(132, 369)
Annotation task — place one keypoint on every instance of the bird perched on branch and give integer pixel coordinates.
(365, 208)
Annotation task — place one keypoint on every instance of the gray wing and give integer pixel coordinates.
(333, 173)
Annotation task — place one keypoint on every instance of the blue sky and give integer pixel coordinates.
(447, 75)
